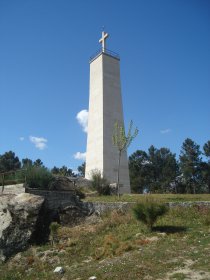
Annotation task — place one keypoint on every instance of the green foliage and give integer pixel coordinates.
(80, 193)
(154, 171)
(81, 169)
(63, 171)
(206, 149)
(149, 211)
(9, 162)
(139, 171)
(38, 163)
(122, 141)
(162, 198)
(26, 163)
(164, 168)
(99, 183)
(54, 227)
(205, 166)
(38, 177)
(190, 165)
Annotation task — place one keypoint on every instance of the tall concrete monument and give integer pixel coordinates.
(105, 109)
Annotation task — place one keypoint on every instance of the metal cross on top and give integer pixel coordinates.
(103, 40)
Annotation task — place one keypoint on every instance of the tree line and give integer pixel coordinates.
(154, 171)
(158, 170)
(10, 162)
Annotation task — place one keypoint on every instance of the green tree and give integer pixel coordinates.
(81, 169)
(99, 183)
(9, 162)
(155, 170)
(55, 170)
(167, 168)
(205, 166)
(190, 165)
(122, 142)
(38, 163)
(206, 149)
(63, 171)
(138, 169)
(149, 211)
(26, 163)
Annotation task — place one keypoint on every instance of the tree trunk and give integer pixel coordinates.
(118, 176)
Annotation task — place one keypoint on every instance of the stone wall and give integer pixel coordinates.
(59, 200)
(56, 199)
(103, 207)
(189, 204)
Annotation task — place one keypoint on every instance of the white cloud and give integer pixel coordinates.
(82, 118)
(39, 142)
(164, 131)
(80, 156)
(21, 138)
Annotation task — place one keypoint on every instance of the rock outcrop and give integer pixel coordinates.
(62, 183)
(65, 183)
(18, 218)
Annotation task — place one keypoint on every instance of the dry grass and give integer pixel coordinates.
(119, 247)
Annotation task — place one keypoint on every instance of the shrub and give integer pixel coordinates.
(99, 183)
(80, 193)
(38, 177)
(54, 232)
(206, 216)
(207, 220)
(149, 211)
(112, 246)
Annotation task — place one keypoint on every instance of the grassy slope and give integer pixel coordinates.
(159, 197)
(119, 247)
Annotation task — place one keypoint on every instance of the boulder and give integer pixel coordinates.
(74, 214)
(62, 183)
(83, 183)
(18, 218)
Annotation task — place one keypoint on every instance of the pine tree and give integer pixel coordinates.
(206, 165)
(190, 165)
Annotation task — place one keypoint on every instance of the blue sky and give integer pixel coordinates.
(44, 72)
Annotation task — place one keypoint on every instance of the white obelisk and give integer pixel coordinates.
(105, 109)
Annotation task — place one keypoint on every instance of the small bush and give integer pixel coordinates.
(54, 227)
(38, 177)
(112, 246)
(30, 260)
(149, 211)
(99, 183)
(80, 193)
(207, 217)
